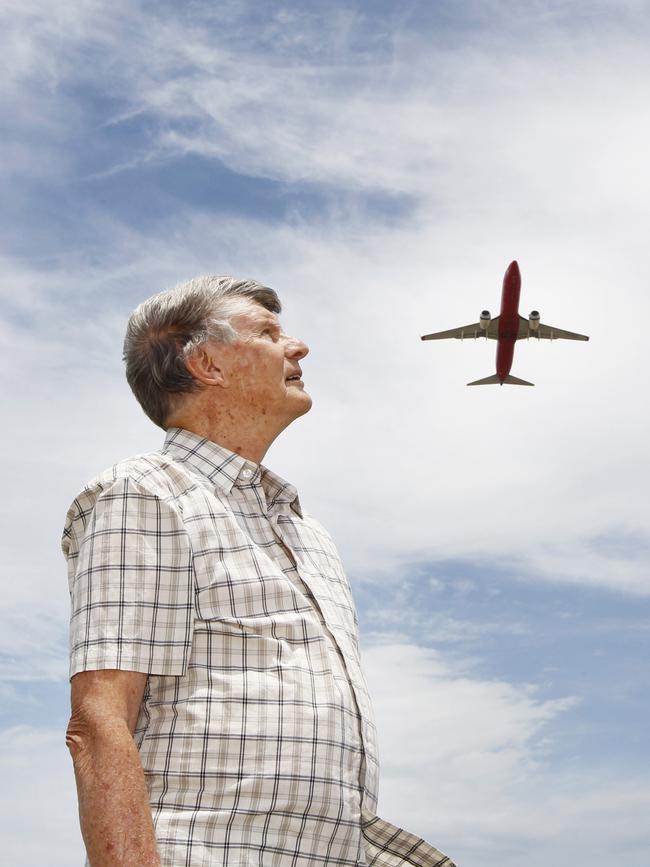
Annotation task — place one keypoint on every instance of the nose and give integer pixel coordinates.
(295, 348)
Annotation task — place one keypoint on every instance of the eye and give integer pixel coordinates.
(270, 332)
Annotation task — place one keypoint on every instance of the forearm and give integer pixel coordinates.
(114, 810)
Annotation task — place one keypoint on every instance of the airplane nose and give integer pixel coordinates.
(512, 278)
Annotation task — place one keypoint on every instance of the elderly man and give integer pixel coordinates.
(219, 712)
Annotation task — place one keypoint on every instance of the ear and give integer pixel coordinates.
(207, 365)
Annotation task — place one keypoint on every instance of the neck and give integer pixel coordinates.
(245, 437)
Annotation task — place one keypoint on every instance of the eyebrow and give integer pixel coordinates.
(268, 323)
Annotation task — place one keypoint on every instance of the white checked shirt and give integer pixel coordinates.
(255, 733)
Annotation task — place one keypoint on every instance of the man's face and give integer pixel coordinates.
(264, 367)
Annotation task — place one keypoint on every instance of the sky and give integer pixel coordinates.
(379, 165)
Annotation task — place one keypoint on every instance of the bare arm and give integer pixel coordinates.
(114, 810)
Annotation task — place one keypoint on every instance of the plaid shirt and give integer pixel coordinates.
(255, 731)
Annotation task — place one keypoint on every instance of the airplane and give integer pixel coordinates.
(506, 329)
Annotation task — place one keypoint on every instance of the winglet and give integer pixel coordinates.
(494, 380)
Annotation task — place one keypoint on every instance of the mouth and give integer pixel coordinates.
(294, 378)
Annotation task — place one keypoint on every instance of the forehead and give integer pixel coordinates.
(253, 316)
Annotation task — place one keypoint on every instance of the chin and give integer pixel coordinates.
(306, 404)
(302, 405)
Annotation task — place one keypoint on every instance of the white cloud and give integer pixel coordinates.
(38, 799)
(469, 764)
(487, 123)
(418, 467)
(525, 139)
(34, 640)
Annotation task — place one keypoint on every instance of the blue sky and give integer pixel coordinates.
(379, 165)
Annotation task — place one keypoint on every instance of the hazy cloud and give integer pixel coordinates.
(379, 166)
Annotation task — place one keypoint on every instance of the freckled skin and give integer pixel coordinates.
(114, 811)
(246, 401)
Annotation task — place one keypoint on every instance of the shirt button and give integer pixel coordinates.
(246, 474)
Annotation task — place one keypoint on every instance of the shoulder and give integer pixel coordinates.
(154, 476)
(156, 472)
(321, 537)
(315, 525)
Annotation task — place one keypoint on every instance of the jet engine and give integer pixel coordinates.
(533, 320)
(484, 320)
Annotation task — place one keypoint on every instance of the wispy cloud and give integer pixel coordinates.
(379, 166)
(469, 763)
(38, 799)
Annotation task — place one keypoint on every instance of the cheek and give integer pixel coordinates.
(260, 376)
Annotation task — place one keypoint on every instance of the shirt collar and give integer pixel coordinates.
(225, 468)
(279, 492)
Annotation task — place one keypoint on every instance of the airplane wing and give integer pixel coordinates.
(546, 332)
(467, 331)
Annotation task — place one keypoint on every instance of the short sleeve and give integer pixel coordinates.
(131, 582)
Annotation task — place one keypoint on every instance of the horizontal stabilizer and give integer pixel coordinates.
(494, 380)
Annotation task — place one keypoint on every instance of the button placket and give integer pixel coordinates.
(347, 655)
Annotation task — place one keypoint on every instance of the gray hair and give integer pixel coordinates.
(167, 328)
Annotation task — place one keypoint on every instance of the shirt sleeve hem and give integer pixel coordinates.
(124, 659)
